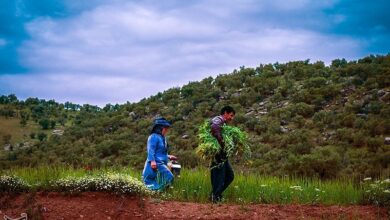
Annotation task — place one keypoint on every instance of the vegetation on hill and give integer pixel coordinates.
(303, 118)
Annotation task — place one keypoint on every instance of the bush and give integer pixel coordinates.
(377, 126)
(44, 123)
(315, 82)
(299, 121)
(323, 162)
(348, 120)
(344, 135)
(376, 192)
(42, 136)
(359, 139)
(374, 144)
(302, 109)
(13, 184)
(110, 182)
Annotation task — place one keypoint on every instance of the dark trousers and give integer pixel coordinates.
(221, 177)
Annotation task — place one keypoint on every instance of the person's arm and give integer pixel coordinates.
(216, 131)
(172, 157)
(151, 149)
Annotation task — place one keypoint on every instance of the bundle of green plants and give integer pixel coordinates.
(236, 142)
(13, 184)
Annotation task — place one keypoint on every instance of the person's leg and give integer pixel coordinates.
(165, 176)
(217, 181)
(229, 175)
(149, 177)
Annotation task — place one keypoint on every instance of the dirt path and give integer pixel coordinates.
(107, 206)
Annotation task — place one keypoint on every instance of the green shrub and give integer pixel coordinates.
(323, 162)
(377, 126)
(42, 136)
(374, 144)
(348, 120)
(108, 182)
(299, 121)
(302, 109)
(359, 139)
(344, 135)
(44, 123)
(13, 184)
(315, 82)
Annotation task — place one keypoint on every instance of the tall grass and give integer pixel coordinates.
(194, 185)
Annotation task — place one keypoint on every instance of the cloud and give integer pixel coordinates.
(96, 90)
(118, 51)
(147, 43)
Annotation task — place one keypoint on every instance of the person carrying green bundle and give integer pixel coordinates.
(221, 171)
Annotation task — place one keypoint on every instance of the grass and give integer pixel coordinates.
(194, 185)
(18, 133)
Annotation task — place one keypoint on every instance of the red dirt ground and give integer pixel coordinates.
(98, 205)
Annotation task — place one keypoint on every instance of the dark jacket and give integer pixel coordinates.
(216, 130)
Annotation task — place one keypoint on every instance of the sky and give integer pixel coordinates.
(117, 51)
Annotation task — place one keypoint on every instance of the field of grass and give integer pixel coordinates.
(194, 185)
(19, 133)
(12, 127)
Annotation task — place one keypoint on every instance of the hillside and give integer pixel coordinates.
(303, 119)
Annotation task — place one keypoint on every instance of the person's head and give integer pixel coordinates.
(161, 126)
(228, 113)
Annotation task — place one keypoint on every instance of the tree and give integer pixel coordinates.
(44, 123)
(52, 124)
(339, 63)
(24, 116)
(41, 136)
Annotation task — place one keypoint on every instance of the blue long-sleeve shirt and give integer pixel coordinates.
(157, 148)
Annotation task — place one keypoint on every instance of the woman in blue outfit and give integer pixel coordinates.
(156, 174)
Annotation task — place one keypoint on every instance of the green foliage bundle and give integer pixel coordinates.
(236, 142)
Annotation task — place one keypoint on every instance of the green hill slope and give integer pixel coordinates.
(303, 119)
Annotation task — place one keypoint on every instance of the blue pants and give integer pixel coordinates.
(221, 177)
(157, 179)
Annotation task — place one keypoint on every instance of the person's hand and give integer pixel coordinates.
(171, 157)
(153, 164)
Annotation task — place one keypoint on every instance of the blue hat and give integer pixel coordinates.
(162, 121)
